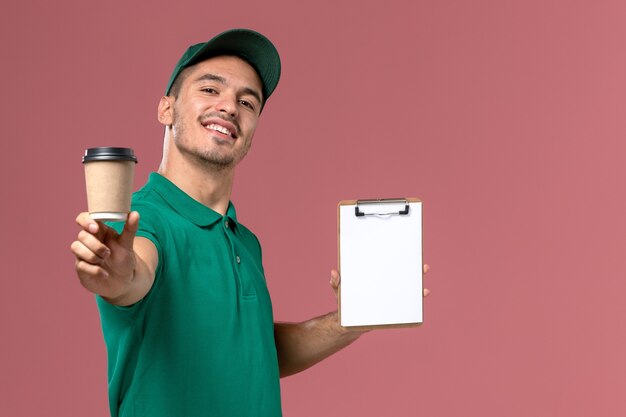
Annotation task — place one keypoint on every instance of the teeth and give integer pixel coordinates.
(220, 129)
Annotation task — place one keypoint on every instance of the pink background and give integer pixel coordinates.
(506, 117)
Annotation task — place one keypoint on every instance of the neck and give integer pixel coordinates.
(211, 186)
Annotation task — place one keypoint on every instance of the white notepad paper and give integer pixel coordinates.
(380, 259)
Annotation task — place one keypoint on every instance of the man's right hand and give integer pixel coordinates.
(106, 260)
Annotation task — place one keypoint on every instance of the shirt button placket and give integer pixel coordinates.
(237, 259)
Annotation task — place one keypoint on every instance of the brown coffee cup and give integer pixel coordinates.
(109, 175)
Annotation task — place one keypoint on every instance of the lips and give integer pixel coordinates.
(220, 129)
(221, 126)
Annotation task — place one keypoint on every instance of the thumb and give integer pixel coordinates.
(127, 237)
(335, 279)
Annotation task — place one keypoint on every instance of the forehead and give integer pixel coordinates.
(234, 69)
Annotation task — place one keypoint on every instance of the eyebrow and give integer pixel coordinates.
(221, 80)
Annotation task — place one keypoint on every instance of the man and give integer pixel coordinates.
(186, 314)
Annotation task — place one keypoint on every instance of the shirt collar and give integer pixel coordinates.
(185, 205)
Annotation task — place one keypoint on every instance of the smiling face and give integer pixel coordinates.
(216, 110)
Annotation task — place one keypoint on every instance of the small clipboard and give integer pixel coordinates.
(380, 262)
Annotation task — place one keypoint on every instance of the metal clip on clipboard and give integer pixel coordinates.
(359, 213)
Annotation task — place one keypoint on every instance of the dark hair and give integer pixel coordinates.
(178, 82)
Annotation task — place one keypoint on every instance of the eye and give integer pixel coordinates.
(210, 90)
(247, 104)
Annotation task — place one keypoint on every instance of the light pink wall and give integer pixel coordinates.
(505, 117)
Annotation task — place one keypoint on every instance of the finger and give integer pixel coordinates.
(426, 291)
(335, 280)
(85, 221)
(88, 272)
(82, 253)
(127, 237)
(92, 277)
(92, 243)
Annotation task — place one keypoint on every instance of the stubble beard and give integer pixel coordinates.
(209, 157)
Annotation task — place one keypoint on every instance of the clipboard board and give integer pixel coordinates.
(380, 262)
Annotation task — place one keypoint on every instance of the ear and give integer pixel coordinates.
(165, 110)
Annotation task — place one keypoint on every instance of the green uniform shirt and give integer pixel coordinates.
(201, 343)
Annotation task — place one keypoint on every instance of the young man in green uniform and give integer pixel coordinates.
(186, 314)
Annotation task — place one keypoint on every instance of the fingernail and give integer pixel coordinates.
(106, 253)
(92, 228)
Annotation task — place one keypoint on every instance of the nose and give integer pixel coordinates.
(227, 104)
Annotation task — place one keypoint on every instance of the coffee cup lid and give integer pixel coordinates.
(109, 154)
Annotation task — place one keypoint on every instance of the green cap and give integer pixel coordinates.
(246, 44)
